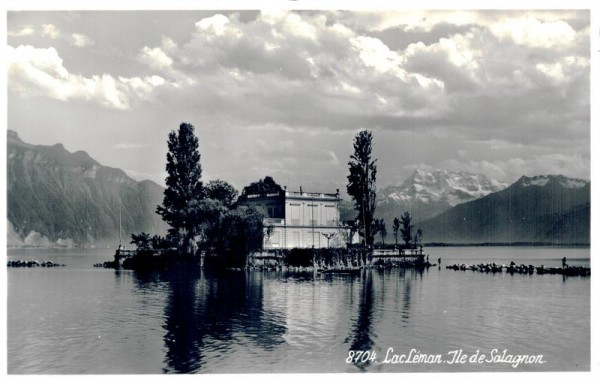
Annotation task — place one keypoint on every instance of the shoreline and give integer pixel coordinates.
(431, 244)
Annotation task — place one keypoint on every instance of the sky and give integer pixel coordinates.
(504, 93)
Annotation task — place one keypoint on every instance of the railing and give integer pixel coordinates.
(254, 196)
(273, 221)
(311, 194)
(313, 223)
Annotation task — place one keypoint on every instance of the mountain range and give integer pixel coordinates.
(59, 198)
(550, 209)
(426, 194)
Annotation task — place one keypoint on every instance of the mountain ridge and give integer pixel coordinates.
(545, 208)
(425, 194)
(58, 198)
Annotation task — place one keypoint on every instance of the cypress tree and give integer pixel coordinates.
(361, 184)
(184, 188)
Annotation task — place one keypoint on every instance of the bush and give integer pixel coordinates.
(299, 257)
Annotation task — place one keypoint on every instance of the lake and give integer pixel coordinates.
(80, 319)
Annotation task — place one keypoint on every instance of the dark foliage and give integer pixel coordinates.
(396, 228)
(221, 191)
(262, 187)
(361, 184)
(381, 229)
(406, 229)
(145, 242)
(184, 187)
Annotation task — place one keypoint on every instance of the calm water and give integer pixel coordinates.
(80, 319)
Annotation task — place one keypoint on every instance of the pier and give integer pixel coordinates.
(336, 260)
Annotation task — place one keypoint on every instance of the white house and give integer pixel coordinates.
(301, 219)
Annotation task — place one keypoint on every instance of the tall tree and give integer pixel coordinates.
(222, 191)
(418, 237)
(396, 228)
(406, 229)
(263, 186)
(184, 188)
(382, 230)
(361, 184)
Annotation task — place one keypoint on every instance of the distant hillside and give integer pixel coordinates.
(544, 209)
(426, 194)
(60, 198)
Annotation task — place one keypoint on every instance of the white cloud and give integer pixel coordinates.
(80, 40)
(460, 82)
(573, 165)
(158, 177)
(168, 44)
(532, 32)
(564, 68)
(50, 31)
(24, 31)
(217, 25)
(332, 157)
(155, 58)
(422, 21)
(294, 25)
(34, 72)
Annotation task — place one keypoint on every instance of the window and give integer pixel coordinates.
(330, 215)
(313, 214)
(295, 214)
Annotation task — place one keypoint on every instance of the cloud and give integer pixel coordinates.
(532, 32)
(574, 165)
(80, 40)
(40, 72)
(24, 31)
(50, 31)
(331, 157)
(281, 64)
(129, 146)
(326, 70)
(155, 58)
(157, 177)
(479, 88)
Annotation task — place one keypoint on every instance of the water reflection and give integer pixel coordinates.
(205, 314)
(406, 293)
(361, 329)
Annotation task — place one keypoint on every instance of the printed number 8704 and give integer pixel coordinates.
(361, 356)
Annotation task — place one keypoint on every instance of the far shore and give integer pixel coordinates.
(425, 245)
(516, 244)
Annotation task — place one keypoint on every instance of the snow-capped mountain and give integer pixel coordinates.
(539, 209)
(428, 193)
(543, 180)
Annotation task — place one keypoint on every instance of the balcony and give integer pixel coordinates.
(311, 195)
(273, 221)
